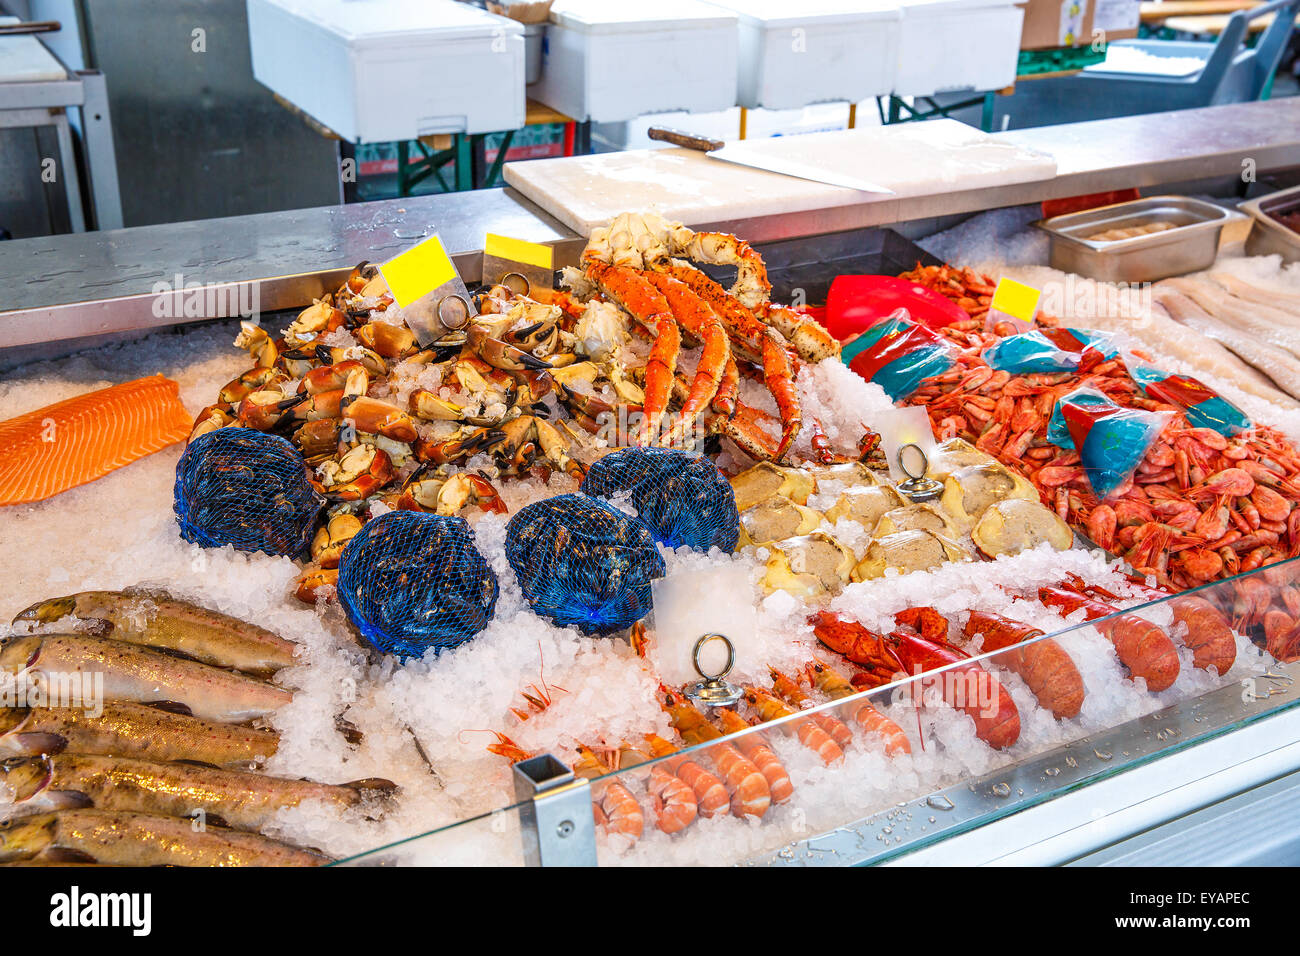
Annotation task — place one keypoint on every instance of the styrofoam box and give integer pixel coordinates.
(383, 70)
(957, 45)
(611, 60)
(792, 55)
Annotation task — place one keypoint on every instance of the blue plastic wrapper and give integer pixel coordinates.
(898, 354)
(245, 488)
(412, 582)
(1202, 406)
(583, 563)
(1046, 351)
(680, 496)
(1111, 440)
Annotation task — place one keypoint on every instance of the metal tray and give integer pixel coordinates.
(1190, 246)
(1267, 235)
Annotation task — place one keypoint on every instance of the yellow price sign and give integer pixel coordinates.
(1016, 300)
(418, 271)
(518, 250)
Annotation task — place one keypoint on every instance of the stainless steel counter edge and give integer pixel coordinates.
(1056, 806)
(74, 286)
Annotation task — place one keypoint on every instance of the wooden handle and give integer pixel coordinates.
(681, 138)
(36, 26)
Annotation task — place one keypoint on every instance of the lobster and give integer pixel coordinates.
(1044, 666)
(920, 644)
(1208, 632)
(1142, 647)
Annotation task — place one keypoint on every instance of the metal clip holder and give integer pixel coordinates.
(917, 488)
(555, 821)
(711, 690)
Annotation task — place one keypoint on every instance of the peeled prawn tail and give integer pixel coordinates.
(674, 802)
(750, 794)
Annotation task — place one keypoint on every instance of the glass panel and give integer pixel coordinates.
(493, 839)
(945, 742)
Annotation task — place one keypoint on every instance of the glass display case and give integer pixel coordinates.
(881, 797)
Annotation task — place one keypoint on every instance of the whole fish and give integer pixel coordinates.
(133, 730)
(156, 619)
(244, 801)
(140, 675)
(120, 838)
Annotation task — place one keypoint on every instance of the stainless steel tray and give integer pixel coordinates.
(1267, 235)
(1190, 246)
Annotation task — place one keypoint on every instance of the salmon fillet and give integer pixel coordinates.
(80, 439)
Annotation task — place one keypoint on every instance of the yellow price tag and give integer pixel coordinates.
(1016, 299)
(418, 271)
(517, 250)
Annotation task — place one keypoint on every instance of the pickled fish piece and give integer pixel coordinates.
(952, 454)
(776, 519)
(139, 675)
(1015, 525)
(915, 517)
(244, 801)
(906, 551)
(970, 490)
(808, 566)
(139, 839)
(766, 479)
(865, 504)
(156, 619)
(133, 730)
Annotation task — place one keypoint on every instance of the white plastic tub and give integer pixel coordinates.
(612, 60)
(952, 45)
(385, 70)
(796, 54)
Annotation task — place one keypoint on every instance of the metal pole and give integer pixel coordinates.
(556, 824)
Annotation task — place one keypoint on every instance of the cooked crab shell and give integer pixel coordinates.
(969, 491)
(906, 551)
(954, 453)
(865, 504)
(808, 566)
(915, 517)
(1015, 525)
(776, 519)
(766, 479)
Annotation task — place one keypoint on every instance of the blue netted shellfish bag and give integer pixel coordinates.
(412, 581)
(680, 495)
(583, 563)
(245, 488)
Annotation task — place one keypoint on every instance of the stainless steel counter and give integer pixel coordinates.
(72, 287)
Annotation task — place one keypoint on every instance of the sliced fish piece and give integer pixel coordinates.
(139, 675)
(83, 438)
(139, 839)
(244, 801)
(156, 619)
(133, 730)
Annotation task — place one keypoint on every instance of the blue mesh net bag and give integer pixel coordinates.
(412, 581)
(680, 496)
(245, 488)
(583, 563)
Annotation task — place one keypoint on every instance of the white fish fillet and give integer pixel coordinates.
(1243, 316)
(1236, 286)
(1280, 366)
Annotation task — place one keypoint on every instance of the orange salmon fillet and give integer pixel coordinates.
(80, 439)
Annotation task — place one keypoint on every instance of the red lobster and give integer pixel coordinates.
(1142, 647)
(921, 644)
(1044, 666)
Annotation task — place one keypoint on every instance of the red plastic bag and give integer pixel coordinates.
(855, 303)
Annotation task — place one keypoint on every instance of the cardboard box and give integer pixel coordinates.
(1117, 19)
(1051, 24)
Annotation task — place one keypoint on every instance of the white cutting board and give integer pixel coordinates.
(24, 59)
(912, 159)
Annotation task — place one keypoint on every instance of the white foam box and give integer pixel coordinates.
(613, 60)
(793, 55)
(953, 45)
(377, 71)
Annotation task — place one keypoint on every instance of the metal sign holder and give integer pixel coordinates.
(555, 819)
